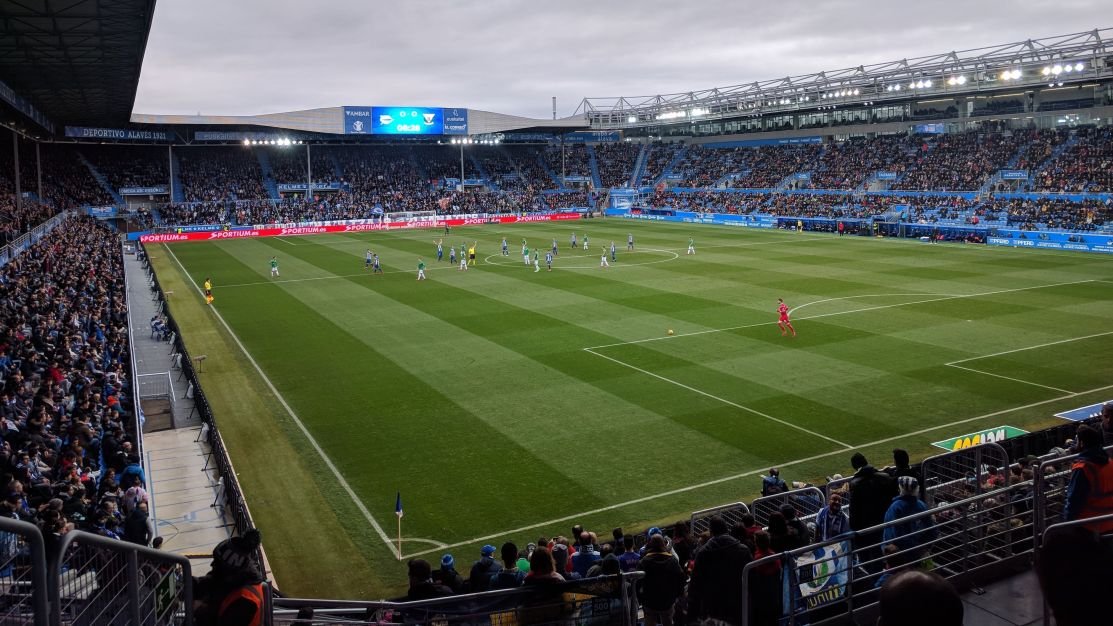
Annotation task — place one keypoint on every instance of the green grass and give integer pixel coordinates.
(472, 394)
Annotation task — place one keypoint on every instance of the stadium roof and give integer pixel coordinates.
(1084, 56)
(77, 61)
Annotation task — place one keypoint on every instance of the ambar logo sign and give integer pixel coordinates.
(992, 435)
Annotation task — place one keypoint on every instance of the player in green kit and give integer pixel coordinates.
(274, 267)
(420, 269)
(691, 246)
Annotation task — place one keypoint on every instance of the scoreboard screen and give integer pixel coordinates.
(376, 120)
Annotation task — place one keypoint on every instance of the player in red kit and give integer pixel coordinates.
(784, 324)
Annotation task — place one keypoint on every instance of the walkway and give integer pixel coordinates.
(183, 483)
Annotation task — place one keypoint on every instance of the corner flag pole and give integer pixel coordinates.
(398, 512)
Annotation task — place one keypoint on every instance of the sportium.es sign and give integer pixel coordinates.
(991, 435)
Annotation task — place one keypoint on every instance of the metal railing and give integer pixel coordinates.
(962, 473)
(23, 586)
(807, 502)
(157, 385)
(731, 513)
(1052, 474)
(1058, 528)
(839, 578)
(30, 238)
(98, 580)
(601, 600)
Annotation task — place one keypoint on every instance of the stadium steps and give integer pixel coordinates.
(416, 164)
(559, 184)
(1054, 156)
(176, 178)
(676, 159)
(101, 179)
(337, 171)
(269, 182)
(478, 167)
(639, 166)
(593, 163)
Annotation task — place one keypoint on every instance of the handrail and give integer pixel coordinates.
(40, 596)
(132, 552)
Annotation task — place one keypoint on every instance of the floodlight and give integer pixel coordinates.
(912, 85)
(1057, 69)
(927, 83)
(1078, 67)
(856, 92)
(961, 80)
(1015, 74)
(1045, 71)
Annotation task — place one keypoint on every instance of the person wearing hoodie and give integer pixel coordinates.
(664, 582)
(717, 576)
(1090, 490)
(909, 537)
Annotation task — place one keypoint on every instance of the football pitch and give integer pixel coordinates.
(506, 404)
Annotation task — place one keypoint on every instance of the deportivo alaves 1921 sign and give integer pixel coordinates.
(991, 435)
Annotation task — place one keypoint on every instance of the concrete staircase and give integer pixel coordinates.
(639, 166)
(101, 179)
(269, 183)
(676, 158)
(176, 178)
(593, 163)
(1055, 154)
(559, 184)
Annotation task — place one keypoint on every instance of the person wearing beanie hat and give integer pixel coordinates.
(448, 576)
(909, 537)
(232, 592)
(482, 570)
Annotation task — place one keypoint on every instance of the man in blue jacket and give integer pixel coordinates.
(909, 537)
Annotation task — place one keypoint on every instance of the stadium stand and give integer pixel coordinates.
(657, 158)
(135, 166)
(769, 165)
(575, 160)
(960, 162)
(69, 440)
(616, 162)
(215, 174)
(1086, 165)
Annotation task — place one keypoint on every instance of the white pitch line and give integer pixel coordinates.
(313, 442)
(1041, 345)
(723, 400)
(1017, 380)
(753, 472)
(871, 308)
(283, 240)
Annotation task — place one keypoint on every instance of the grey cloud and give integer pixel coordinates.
(255, 56)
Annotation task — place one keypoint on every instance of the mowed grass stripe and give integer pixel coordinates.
(737, 268)
(528, 333)
(502, 385)
(278, 478)
(381, 425)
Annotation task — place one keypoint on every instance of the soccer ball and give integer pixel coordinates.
(670, 332)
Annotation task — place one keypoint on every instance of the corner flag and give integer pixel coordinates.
(398, 512)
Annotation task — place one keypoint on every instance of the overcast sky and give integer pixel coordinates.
(243, 57)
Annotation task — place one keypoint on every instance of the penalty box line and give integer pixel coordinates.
(955, 364)
(813, 433)
(753, 472)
